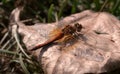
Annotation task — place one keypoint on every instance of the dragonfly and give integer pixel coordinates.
(59, 34)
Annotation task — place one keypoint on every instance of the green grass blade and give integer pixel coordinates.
(63, 4)
(17, 40)
(8, 52)
(50, 12)
(22, 64)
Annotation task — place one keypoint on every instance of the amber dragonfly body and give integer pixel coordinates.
(66, 31)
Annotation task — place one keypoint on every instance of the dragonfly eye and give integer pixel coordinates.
(78, 27)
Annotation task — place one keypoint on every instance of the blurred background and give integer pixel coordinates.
(43, 11)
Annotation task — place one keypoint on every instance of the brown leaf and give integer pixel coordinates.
(95, 51)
